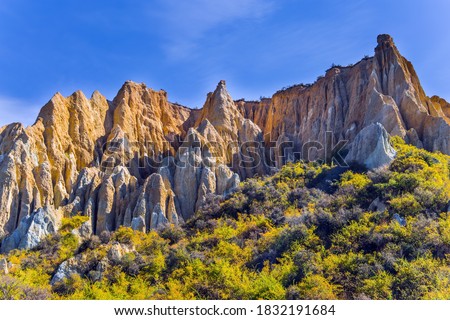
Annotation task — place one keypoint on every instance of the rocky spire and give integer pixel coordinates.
(221, 112)
(385, 41)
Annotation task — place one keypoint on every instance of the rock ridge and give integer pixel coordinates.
(144, 162)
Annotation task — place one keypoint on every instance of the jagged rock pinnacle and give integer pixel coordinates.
(385, 39)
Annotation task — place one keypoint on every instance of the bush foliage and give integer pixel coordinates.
(280, 237)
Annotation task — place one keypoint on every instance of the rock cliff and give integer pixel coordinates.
(138, 160)
(144, 162)
(371, 147)
(383, 89)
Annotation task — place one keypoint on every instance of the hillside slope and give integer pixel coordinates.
(383, 234)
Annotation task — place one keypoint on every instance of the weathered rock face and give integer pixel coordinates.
(83, 232)
(371, 147)
(144, 162)
(257, 111)
(198, 173)
(25, 183)
(384, 89)
(114, 197)
(74, 147)
(168, 196)
(155, 205)
(440, 106)
(31, 230)
(232, 138)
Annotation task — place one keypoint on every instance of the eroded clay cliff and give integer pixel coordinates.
(138, 160)
(143, 162)
(384, 89)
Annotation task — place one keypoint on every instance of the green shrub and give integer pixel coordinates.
(69, 224)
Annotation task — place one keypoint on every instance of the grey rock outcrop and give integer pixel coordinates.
(4, 266)
(377, 205)
(155, 205)
(138, 224)
(198, 172)
(401, 221)
(114, 197)
(84, 232)
(65, 270)
(117, 251)
(371, 147)
(31, 230)
(82, 265)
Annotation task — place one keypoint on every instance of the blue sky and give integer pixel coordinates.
(186, 47)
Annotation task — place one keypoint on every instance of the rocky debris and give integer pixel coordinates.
(84, 232)
(401, 221)
(83, 265)
(97, 273)
(377, 205)
(138, 224)
(79, 265)
(371, 148)
(4, 266)
(65, 270)
(117, 251)
(31, 230)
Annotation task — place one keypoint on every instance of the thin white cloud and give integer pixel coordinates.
(17, 110)
(186, 23)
